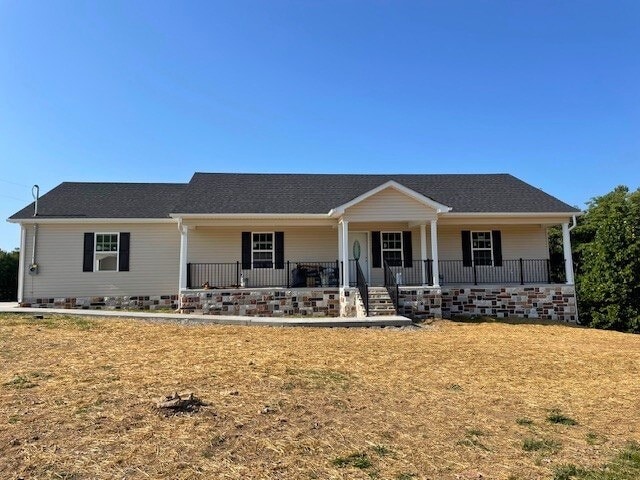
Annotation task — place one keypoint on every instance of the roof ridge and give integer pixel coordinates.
(354, 174)
(125, 183)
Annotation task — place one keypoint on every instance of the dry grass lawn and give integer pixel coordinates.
(451, 400)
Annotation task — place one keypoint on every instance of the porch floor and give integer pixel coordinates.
(380, 321)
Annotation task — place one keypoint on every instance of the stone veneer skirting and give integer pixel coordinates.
(420, 302)
(142, 302)
(546, 302)
(264, 302)
(351, 304)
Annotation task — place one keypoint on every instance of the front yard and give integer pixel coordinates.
(451, 400)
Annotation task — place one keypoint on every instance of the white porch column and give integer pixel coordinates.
(184, 241)
(423, 252)
(21, 261)
(340, 246)
(568, 259)
(345, 252)
(434, 253)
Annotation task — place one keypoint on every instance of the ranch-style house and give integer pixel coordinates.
(301, 244)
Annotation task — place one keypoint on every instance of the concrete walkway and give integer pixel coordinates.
(380, 321)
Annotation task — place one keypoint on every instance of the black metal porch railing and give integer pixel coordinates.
(329, 273)
(294, 274)
(519, 271)
(363, 287)
(413, 275)
(391, 283)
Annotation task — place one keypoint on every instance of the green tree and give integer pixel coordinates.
(556, 254)
(607, 253)
(9, 275)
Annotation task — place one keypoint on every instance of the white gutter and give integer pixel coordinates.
(90, 220)
(575, 223)
(35, 191)
(510, 214)
(215, 216)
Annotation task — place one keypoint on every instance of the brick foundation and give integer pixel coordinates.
(351, 304)
(275, 302)
(420, 302)
(546, 302)
(147, 302)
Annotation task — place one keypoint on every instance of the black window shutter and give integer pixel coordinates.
(376, 250)
(246, 250)
(279, 247)
(87, 259)
(123, 262)
(466, 248)
(407, 249)
(496, 242)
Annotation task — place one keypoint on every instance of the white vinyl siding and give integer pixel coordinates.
(154, 258)
(155, 249)
(389, 205)
(301, 244)
(518, 241)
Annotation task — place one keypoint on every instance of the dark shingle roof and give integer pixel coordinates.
(319, 193)
(284, 193)
(107, 200)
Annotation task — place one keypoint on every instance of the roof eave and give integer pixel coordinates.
(248, 215)
(31, 220)
(513, 214)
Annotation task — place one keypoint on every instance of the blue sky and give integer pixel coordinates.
(154, 90)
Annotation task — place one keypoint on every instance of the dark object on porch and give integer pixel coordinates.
(312, 275)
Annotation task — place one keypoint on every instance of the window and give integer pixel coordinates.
(481, 248)
(392, 248)
(106, 252)
(262, 250)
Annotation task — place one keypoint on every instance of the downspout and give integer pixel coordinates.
(21, 262)
(575, 223)
(33, 268)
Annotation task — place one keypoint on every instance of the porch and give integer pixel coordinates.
(330, 266)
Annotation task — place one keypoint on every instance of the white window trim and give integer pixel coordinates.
(401, 249)
(95, 252)
(273, 250)
(473, 258)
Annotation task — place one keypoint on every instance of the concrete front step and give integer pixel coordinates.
(381, 314)
(380, 302)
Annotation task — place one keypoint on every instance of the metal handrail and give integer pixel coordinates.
(391, 284)
(363, 287)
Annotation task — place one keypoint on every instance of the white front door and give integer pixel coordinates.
(358, 250)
